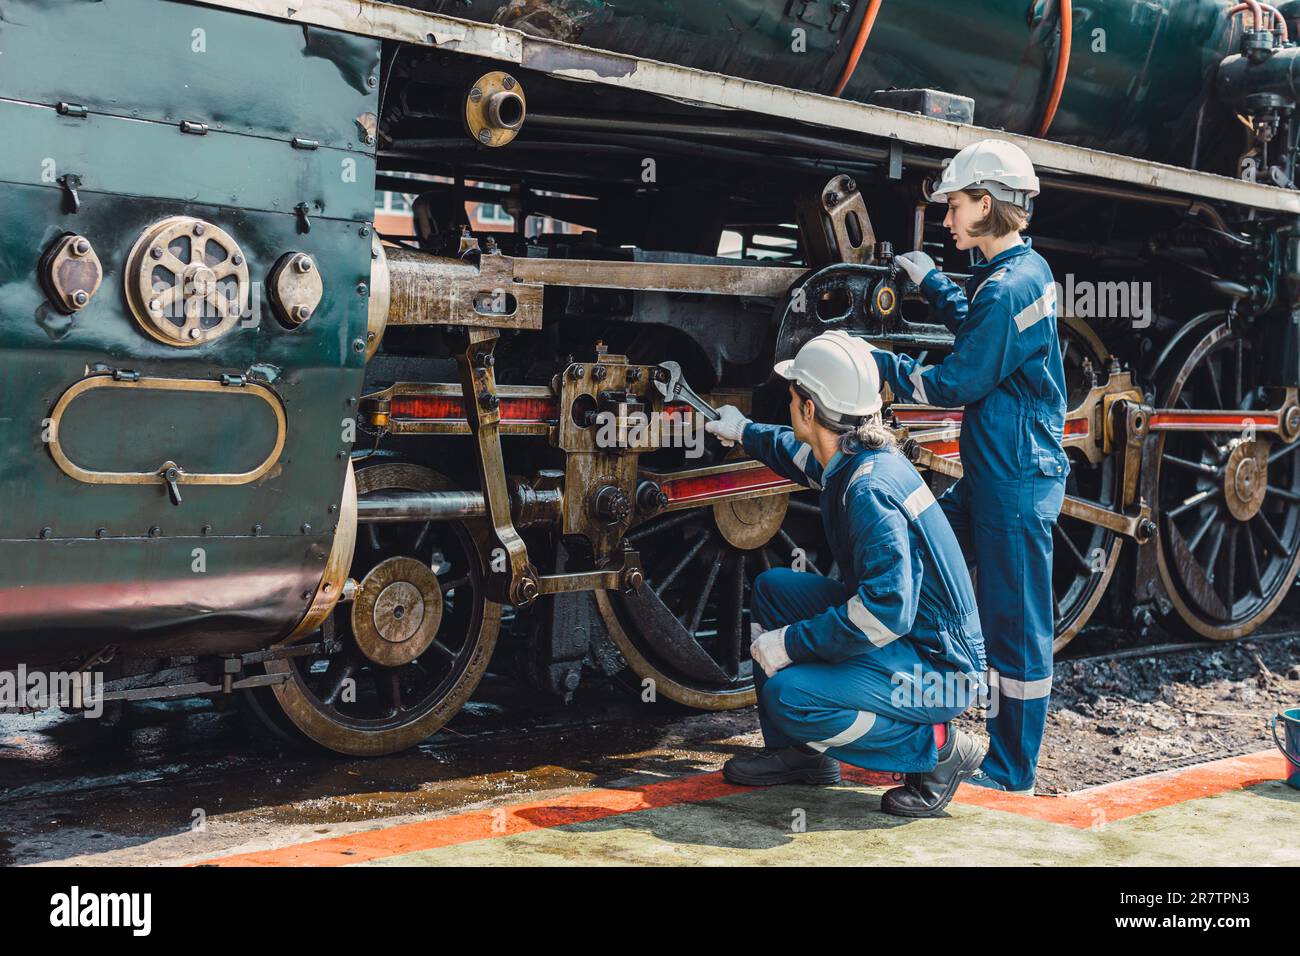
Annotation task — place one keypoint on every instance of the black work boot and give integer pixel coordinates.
(926, 794)
(773, 765)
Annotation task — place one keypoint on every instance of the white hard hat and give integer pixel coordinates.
(1003, 169)
(839, 372)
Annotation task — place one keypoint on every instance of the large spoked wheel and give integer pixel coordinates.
(1229, 501)
(701, 564)
(416, 641)
(1084, 555)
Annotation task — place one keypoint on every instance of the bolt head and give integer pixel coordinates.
(508, 82)
(156, 252)
(362, 289)
(237, 259)
(301, 313)
(475, 95)
(303, 264)
(80, 246)
(372, 81)
(80, 297)
(194, 332)
(199, 229)
(484, 136)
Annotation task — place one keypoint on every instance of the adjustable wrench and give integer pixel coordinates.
(672, 386)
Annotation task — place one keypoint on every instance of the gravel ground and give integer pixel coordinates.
(1113, 719)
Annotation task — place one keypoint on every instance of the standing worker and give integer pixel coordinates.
(870, 669)
(1005, 369)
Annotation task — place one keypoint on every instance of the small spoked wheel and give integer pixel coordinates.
(414, 643)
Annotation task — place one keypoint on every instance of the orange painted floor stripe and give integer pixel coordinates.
(1103, 804)
(1125, 798)
(496, 822)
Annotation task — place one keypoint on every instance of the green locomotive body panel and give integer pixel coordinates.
(120, 559)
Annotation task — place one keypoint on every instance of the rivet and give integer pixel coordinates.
(364, 232)
(156, 252)
(206, 529)
(46, 532)
(199, 229)
(257, 529)
(306, 595)
(352, 399)
(361, 288)
(332, 508)
(237, 259)
(306, 529)
(155, 531)
(372, 81)
(358, 345)
(100, 532)
(342, 454)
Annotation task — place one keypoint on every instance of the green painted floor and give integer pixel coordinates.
(843, 826)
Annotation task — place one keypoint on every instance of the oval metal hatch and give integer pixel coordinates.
(125, 432)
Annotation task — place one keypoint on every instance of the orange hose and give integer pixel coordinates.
(859, 44)
(1062, 66)
(1257, 15)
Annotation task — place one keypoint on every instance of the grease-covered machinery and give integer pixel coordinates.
(250, 445)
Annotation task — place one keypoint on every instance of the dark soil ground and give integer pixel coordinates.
(1110, 719)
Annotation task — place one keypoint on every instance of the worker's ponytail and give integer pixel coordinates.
(871, 433)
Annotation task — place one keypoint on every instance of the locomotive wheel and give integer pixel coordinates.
(422, 641)
(702, 563)
(1084, 555)
(1229, 545)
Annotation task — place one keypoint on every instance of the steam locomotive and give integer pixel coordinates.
(254, 446)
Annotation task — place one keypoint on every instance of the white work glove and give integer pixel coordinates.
(768, 650)
(730, 426)
(917, 265)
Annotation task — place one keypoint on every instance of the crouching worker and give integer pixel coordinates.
(871, 669)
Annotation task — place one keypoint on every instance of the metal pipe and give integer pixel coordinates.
(397, 506)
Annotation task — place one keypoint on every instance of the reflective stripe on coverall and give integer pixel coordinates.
(879, 660)
(1006, 369)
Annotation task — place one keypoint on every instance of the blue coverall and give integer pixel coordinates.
(1005, 368)
(895, 648)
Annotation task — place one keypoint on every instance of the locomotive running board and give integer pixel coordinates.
(715, 90)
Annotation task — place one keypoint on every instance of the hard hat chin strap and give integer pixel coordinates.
(1017, 197)
(835, 421)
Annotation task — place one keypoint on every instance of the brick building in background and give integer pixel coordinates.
(393, 216)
